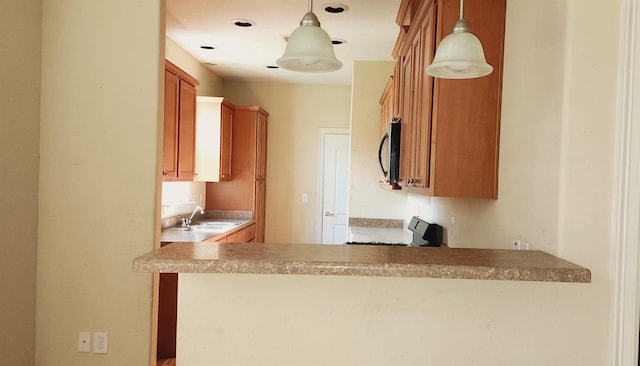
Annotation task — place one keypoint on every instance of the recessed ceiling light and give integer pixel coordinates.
(336, 8)
(207, 47)
(272, 67)
(243, 23)
(338, 41)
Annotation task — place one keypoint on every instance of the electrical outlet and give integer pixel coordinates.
(305, 198)
(84, 342)
(452, 224)
(100, 342)
(521, 245)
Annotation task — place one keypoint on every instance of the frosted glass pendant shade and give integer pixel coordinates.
(309, 48)
(459, 56)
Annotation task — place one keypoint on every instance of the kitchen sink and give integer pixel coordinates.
(199, 231)
(214, 224)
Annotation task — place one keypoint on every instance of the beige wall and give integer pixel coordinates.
(102, 78)
(96, 115)
(334, 320)
(211, 85)
(296, 113)
(20, 37)
(365, 194)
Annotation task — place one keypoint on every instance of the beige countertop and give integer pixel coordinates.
(361, 260)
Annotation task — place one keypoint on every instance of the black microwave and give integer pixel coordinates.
(389, 152)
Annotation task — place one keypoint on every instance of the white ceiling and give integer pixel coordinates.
(243, 53)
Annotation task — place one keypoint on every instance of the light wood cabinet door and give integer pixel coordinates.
(247, 234)
(466, 113)
(232, 238)
(187, 131)
(226, 136)
(170, 140)
(421, 105)
(260, 209)
(387, 105)
(406, 132)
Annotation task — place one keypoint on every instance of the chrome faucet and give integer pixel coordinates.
(186, 221)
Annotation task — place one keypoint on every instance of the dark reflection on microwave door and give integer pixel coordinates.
(383, 155)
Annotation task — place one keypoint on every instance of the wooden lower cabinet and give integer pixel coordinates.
(248, 234)
(260, 210)
(232, 238)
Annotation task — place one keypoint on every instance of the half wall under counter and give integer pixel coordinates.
(361, 260)
(374, 305)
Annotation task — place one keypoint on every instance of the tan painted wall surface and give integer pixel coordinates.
(20, 37)
(366, 198)
(314, 320)
(211, 85)
(101, 95)
(296, 112)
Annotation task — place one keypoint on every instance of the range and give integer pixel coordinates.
(424, 235)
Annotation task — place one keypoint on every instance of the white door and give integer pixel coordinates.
(335, 184)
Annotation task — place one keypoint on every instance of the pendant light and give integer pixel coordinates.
(460, 54)
(309, 48)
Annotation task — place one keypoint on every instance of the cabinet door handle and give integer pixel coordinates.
(328, 213)
(164, 172)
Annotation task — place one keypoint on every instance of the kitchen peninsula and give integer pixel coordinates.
(372, 305)
(361, 260)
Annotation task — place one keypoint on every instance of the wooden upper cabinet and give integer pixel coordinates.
(387, 102)
(450, 128)
(187, 131)
(170, 144)
(214, 123)
(179, 124)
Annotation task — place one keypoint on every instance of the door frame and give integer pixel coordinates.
(323, 132)
(625, 215)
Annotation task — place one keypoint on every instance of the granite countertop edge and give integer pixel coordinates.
(332, 260)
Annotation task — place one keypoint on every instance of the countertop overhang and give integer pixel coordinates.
(361, 260)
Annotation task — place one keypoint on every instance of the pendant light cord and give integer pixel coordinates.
(461, 8)
(311, 6)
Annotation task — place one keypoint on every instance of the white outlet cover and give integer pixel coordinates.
(84, 342)
(100, 342)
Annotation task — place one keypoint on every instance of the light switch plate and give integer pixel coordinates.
(84, 342)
